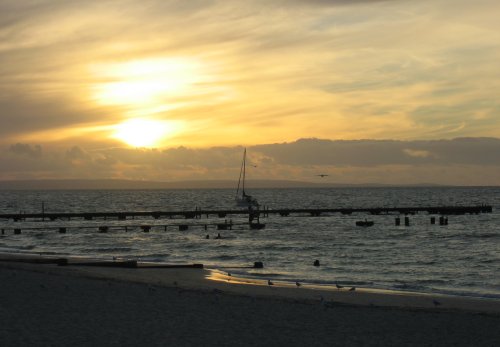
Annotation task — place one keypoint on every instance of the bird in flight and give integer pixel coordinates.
(322, 175)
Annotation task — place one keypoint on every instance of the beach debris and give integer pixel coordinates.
(316, 262)
(298, 284)
(436, 303)
(352, 289)
(338, 286)
(269, 283)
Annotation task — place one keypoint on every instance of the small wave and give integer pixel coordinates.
(489, 261)
(433, 281)
(264, 274)
(481, 236)
(27, 247)
(106, 249)
(224, 257)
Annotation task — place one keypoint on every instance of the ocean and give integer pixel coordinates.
(461, 258)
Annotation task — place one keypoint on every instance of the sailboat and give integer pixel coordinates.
(244, 200)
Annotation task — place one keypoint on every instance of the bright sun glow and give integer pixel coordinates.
(144, 133)
(144, 83)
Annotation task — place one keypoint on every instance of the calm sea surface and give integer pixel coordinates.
(462, 258)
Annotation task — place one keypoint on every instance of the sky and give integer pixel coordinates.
(393, 91)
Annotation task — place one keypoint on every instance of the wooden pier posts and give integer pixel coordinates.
(407, 221)
(443, 220)
(397, 221)
(17, 231)
(62, 230)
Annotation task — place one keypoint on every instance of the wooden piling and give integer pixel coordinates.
(17, 231)
(407, 221)
(258, 265)
(103, 229)
(397, 221)
(62, 230)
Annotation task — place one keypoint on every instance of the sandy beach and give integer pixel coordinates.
(43, 304)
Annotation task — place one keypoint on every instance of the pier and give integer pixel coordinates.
(251, 213)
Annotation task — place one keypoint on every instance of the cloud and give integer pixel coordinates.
(417, 153)
(34, 151)
(462, 161)
(326, 69)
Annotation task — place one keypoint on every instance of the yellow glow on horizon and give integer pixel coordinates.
(144, 133)
(144, 83)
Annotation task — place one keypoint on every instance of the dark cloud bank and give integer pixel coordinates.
(457, 161)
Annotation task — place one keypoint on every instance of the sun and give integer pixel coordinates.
(144, 132)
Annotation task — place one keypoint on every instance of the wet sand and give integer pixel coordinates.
(42, 305)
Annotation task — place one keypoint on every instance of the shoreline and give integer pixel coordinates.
(209, 279)
(51, 305)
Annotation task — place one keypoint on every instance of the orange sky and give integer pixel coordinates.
(163, 74)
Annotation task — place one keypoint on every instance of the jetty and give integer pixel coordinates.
(198, 213)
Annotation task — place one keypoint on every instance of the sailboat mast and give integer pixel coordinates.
(244, 169)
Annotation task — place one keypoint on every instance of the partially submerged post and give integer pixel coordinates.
(258, 265)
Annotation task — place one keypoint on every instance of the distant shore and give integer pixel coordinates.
(44, 304)
(119, 184)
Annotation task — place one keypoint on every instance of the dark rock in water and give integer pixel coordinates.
(316, 262)
(258, 265)
(364, 223)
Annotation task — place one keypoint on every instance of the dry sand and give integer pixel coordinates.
(48, 305)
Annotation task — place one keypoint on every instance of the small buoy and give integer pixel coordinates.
(316, 262)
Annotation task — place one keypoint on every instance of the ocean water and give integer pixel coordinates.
(462, 258)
